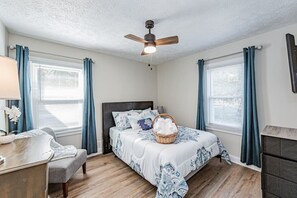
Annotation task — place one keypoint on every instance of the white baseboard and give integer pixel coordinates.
(236, 160)
(94, 154)
(99, 149)
(99, 144)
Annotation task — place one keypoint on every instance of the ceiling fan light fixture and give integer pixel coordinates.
(149, 48)
(150, 41)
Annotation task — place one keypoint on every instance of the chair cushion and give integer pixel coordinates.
(62, 170)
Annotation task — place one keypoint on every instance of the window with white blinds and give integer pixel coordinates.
(224, 94)
(57, 93)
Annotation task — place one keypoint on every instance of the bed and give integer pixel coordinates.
(165, 166)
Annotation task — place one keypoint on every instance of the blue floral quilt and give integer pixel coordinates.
(167, 165)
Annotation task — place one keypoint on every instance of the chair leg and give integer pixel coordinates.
(84, 167)
(65, 189)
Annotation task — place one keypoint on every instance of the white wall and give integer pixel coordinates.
(3, 45)
(277, 105)
(114, 79)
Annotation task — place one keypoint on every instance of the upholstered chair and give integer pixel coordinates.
(60, 171)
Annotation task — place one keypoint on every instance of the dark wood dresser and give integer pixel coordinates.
(279, 159)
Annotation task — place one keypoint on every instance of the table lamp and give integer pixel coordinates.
(9, 82)
(160, 109)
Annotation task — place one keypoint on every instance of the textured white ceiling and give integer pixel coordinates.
(100, 25)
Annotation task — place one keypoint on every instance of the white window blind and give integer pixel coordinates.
(57, 92)
(224, 94)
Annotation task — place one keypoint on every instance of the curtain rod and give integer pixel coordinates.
(259, 47)
(46, 53)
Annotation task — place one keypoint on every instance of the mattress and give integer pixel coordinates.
(115, 131)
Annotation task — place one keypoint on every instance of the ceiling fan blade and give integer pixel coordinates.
(143, 53)
(135, 38)
(167, 41)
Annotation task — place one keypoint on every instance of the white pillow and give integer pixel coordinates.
(140, 111)
(149, 114)
(154, 113)
(134, 121)
(121, 120)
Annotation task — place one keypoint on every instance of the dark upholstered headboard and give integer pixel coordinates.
(107, 119)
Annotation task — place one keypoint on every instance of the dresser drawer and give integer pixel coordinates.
(280, 147)
(270, 184)
(268, 195)
(278, 187)
(285, 169)
(271, 165)
(288, 170)
(271, 145)
(289, 149)
(287, 189)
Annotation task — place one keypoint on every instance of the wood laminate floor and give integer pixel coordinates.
(109, 177)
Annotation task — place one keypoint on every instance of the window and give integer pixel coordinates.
(224, 94)
(57, 93)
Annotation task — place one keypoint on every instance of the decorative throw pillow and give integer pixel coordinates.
(134, 121)
(146, 124)
(154, 112)
(149, 114)
(121, 118)
(140, 111)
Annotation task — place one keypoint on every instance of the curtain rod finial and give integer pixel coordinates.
(259, 47)
(11, 47)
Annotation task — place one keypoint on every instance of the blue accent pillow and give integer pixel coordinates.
(145, 124)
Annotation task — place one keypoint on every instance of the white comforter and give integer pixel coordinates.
(166, 166)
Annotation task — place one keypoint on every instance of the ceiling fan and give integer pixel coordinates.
(150, 41)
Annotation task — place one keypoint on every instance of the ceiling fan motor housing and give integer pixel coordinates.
(150, 37)
(149, 24)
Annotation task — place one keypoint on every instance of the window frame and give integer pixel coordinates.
(59, 63)
(220, 63)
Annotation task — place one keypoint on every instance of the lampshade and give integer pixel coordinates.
(9, 81)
